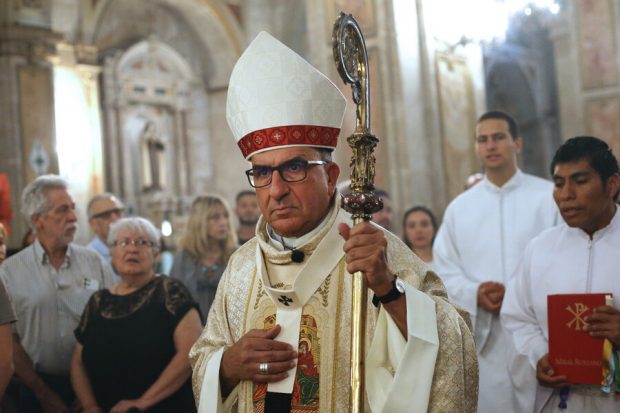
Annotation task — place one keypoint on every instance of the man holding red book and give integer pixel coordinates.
(577, 257)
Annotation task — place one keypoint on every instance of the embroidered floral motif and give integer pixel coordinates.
(259, 139)
(261, 292)
(323, 290)
(277, 136)
(297, 134)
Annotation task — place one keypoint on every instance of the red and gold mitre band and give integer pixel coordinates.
(289, 135)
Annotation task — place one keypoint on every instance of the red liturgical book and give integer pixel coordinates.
(573, 352)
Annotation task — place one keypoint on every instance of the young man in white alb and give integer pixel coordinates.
(577, 256)
(478, 246)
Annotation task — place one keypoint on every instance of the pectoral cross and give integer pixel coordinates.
(285, 300)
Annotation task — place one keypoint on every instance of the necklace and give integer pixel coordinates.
(296, 255)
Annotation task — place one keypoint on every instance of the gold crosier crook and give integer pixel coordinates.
(352, 61)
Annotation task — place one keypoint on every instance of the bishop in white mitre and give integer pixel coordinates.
(277, 337)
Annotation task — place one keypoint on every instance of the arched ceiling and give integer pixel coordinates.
(204, 32)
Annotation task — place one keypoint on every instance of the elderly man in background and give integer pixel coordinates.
(278, 333)
(103, 210)
(49, 282)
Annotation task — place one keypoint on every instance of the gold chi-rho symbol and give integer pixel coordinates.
(577, 311)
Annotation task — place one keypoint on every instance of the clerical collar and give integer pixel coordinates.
(275, 252)
(290, 243)
(513, 182)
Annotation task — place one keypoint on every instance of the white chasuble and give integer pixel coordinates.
(433, 369)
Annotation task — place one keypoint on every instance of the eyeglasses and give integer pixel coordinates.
(107, 214)
(294, 170)
(138, 243)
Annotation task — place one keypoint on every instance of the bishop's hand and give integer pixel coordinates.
(257, 356)
(366, 251)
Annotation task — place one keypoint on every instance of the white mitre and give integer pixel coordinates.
(276, 99)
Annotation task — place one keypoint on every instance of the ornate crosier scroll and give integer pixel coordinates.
(352, 61)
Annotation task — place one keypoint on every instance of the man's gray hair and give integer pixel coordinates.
(34, 195)
(98, 197)
(325, 154)
(138, 225)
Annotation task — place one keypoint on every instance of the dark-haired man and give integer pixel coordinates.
(479, 245)
(578, 256)
(246, 209)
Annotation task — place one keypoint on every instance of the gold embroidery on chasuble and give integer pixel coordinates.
(261, 293)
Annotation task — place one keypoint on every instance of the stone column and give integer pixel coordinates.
(26, 111)
(112, 104)
(78, 125)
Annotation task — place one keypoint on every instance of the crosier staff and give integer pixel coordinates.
(351, 60)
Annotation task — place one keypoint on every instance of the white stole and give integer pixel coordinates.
(289, 303)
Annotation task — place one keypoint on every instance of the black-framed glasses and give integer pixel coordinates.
(107, 214)
(294, 170)
(138, 243)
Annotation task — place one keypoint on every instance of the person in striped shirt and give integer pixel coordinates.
(50, 283)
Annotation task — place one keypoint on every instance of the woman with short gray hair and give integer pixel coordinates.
(134, 224)
(134, 339)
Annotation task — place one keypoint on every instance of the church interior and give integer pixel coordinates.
(129, 96)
